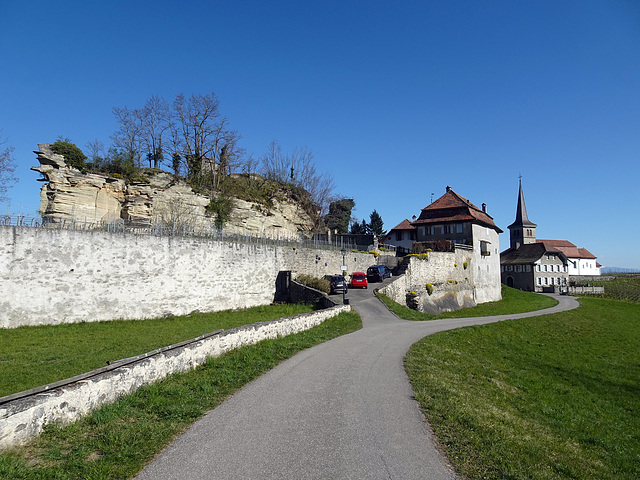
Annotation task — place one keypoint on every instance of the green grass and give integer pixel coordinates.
(513, 301)
(116, 441)
(550, 397)
(34, 356)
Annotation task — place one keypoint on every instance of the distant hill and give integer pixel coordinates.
(609, 270)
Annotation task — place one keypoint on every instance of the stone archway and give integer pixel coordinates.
(510, 281)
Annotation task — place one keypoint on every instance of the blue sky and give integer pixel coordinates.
(396, 100)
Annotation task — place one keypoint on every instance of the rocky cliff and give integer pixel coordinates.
(97, 198)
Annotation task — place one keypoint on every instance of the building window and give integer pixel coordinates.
(484, 248)
(527, 268)
(398, 236)
(459, 228)
(412, 235)
(423, 231)
(539, 280)
(509, 268)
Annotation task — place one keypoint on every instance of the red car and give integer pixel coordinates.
(359, 279)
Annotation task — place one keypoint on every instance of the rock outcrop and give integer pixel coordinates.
(96, 198)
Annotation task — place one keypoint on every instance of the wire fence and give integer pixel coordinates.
(182, 229)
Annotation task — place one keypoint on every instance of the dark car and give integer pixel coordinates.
(378, 273)
(337, 284)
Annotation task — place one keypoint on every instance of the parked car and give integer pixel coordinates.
(337, 284)
(359, 280)
(377, 273)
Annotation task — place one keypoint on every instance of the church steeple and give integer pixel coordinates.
(523, 230)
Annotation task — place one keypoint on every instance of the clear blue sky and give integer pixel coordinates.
(396, 100)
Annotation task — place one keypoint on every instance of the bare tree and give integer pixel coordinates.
(95, 151)
(209, 147)
(7, 167)
(298, 168)
(154, 123)
(129, 136)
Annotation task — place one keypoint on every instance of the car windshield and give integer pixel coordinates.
(359, 277)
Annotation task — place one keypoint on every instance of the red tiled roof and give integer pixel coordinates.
(403, 225)
(568, 248)
(556, 243)
(452, 207)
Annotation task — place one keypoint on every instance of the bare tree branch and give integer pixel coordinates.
(7, 167)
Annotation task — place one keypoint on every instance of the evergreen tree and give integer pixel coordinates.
(376, 224)
(339, 215)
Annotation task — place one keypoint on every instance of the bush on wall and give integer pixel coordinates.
(321, 284)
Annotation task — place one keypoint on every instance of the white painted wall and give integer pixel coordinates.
(52, 276)
(486, 269)
(583, 266)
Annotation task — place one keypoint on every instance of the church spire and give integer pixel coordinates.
(522, 230)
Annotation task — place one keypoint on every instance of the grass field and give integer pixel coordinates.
(513, 301)
(116, 441)
(34, 356)
(550, 397)
(623, 287)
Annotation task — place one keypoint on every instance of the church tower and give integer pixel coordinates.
(523, 230)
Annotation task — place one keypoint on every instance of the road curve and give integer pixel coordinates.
(343, 409)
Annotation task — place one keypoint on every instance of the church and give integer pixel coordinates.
(541, 265)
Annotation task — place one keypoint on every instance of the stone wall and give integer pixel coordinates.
(24, 415)
(50, 276)
(452, 279)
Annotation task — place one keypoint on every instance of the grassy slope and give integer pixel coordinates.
(34, 356)
(513, 301)
(117, 440)
(549, 397)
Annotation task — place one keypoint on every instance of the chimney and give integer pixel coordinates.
(413, 218)
(448, 188)
(484, 207)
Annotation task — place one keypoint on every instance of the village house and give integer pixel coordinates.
(401, 236)
(452, 218)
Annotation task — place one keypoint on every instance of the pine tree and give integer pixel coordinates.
(376, 224)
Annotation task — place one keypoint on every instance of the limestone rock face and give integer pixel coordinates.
(93, 198)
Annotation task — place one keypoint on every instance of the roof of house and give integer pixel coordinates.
(568, 248)
(403, 225)
(528, 253)
(452, 207)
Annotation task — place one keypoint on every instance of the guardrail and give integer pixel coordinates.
(177, 229)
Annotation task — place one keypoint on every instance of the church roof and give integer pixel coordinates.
(452, 207)
(522, 220)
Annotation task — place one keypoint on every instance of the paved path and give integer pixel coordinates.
(340, 410)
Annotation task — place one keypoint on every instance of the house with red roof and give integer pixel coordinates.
(581, 260)
(453, 220)
(401, 236)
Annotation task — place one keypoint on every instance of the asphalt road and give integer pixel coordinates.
(340, 410)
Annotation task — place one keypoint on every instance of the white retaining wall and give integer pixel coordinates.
(52, 276)
(453, 278)
(24, 417)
